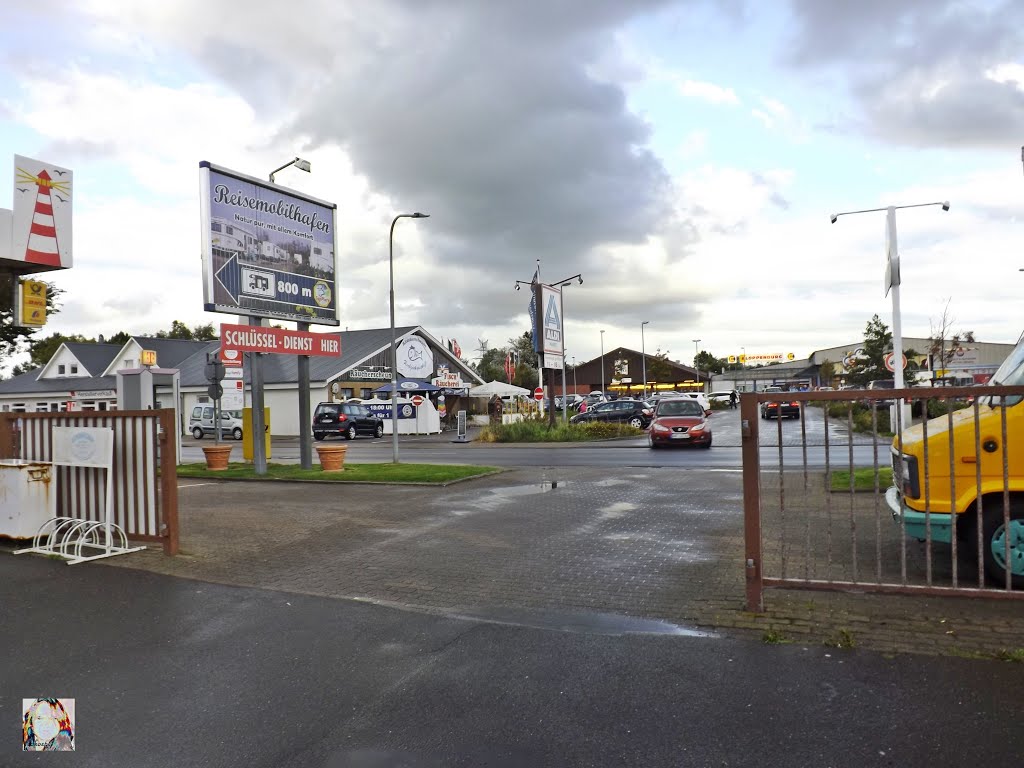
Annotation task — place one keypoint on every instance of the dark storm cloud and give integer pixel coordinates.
(918, 69)
(488, 119)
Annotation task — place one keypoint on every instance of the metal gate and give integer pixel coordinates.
(820, 511)
(145, 479)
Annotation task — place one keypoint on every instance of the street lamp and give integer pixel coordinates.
(643, 353)
(574, 374)
(302, 365)
(892, 279)
(602, 364)
(298, 162)
(696, 365)
(394, 349)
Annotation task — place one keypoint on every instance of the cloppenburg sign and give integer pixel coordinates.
(245, 338)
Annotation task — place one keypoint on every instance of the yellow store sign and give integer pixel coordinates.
(33, 303)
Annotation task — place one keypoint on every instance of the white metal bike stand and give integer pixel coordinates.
(68, 537)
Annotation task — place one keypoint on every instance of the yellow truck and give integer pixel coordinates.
(951, 486)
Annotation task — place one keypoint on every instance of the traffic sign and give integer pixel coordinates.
(538, 393)
(890, 361)
(215, 391)
(417, 400)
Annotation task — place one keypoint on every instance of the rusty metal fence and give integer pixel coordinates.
(846, 491)
(144, 476)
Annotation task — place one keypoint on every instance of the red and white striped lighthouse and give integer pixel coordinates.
(42, 237)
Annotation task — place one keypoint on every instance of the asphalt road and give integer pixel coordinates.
(630, 452)
(170, 671)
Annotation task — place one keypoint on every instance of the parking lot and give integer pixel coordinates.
(542, 545)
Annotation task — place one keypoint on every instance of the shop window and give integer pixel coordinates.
(366, 393)
(346, 393)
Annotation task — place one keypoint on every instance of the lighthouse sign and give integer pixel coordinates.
(41, 219)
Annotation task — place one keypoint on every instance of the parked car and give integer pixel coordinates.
(636, 413)
(573, 401)
(881, 384)
(200, 422)
(721, 397)
(779, 410)
(347, 420)
(679, 421)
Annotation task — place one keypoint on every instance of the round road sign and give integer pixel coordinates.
(890, 361)
(417, 400)
(538, 393)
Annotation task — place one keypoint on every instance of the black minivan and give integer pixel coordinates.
(347, 420)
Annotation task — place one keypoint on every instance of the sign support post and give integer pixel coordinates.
(259, 446)
(305, 425)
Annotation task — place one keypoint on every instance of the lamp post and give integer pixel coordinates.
(892, 280)
(602, 363)
(696, 365)
(574, 374)
(643, 354)
(259, 453)
(394, 349)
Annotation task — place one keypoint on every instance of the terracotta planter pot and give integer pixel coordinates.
(217, 457)
(332, 457)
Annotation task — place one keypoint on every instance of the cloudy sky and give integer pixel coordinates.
(684, 156)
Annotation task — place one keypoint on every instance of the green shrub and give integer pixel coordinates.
(536, 430)
(839, 411)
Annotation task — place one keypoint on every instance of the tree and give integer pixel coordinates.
(658, 367)
(16, 338)
(181, 331)
(942, 343)
(827, 373)
(871, 364)
(708, 363)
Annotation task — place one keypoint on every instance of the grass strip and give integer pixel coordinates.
(863, 479)
(436, 474)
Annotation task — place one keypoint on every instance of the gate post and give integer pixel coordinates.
(751, 501)
(169, 479)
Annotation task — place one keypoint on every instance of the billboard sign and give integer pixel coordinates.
(268, 251)
(550, 321)
(248, 338)
(41, 219)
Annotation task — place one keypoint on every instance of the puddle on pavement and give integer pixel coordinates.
(529, 490)
(581, 623)
(616, 510)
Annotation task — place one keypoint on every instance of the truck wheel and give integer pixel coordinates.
(237, 433)
(996, 534)
(197, 433)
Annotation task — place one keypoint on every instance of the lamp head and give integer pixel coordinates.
(581, 279)
(517, 286)
(302, 165)
(945, 206)
(419, 215)
(835, 217)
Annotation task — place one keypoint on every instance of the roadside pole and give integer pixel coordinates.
(259, 445)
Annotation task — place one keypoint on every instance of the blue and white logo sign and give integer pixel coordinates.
(552, 332)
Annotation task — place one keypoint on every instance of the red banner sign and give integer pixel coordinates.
(247, 338)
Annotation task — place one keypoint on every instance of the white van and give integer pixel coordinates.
(200, 422)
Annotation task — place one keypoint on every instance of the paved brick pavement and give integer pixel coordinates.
(657, 544)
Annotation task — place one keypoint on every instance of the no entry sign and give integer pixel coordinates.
(417, 400)
(538, 393)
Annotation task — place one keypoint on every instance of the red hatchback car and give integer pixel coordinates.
(679, 421)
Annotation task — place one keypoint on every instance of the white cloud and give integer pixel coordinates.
(715, 94)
